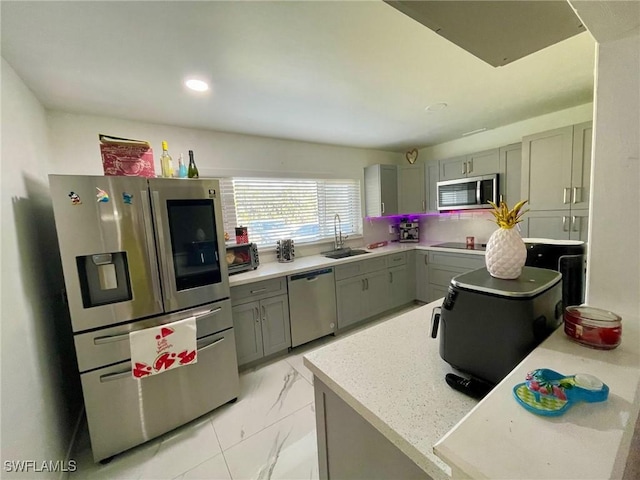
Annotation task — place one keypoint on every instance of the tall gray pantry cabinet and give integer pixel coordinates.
(556, 172)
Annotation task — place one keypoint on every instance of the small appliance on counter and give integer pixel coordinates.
(242, 257)
(565, 256)
(285, 251)
(409, 231)
(488, 325)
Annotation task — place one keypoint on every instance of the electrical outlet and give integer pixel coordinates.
(392, 229)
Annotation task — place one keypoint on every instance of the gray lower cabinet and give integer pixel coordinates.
(261, 319)
(349, 447)
(398, 286)
(442, 267)
(361, 297)
(422, 276)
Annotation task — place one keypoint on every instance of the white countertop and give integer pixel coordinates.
(270, 270)
(393, 376)
(500, 439)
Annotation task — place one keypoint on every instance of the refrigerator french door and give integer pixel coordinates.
(189, 233)
(133, 248)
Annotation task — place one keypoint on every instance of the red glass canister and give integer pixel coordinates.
(242, 235)
(593, 327)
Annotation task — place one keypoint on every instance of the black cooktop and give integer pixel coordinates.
(462, 246)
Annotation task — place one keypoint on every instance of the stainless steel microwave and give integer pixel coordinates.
(468, 193)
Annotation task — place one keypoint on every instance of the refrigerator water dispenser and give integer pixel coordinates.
(104, 278)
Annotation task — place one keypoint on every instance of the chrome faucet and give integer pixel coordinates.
(338, 239)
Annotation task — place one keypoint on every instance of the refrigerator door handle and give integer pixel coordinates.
(164, 264)
(151, 248)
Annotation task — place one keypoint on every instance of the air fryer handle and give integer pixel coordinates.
(435, 321)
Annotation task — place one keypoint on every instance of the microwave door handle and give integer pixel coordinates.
(162, 258)
(478, 197)
(151, 248)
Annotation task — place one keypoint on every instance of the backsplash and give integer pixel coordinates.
(455, 227)
(443, 227)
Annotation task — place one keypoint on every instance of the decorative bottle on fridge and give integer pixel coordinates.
(166, 162)
(193, 170)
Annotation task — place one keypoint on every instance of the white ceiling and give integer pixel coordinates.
(344, 73)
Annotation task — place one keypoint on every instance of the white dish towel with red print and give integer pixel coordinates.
(165, 347)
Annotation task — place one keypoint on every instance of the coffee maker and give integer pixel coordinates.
(409, 231)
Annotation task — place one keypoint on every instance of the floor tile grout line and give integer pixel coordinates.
(221, 451)
(268, 426)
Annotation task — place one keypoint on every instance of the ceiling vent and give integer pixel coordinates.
(497, 32)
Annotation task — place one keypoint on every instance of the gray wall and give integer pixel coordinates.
(40, 389)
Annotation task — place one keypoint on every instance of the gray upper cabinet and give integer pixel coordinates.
(432, 172)
(556, 171)
(412, 189)
(381, 190)
(510, 173)
(472, 165)
(546, 169)
(581, 165)
(557, 224)
(556, 168)
(453, 168)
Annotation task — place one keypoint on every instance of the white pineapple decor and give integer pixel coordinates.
(506, 253)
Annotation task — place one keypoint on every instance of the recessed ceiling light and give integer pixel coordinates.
(436, 107)
(197, 85)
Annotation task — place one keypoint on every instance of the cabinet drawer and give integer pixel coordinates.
(258, 290)
(396, 259)
(468, 261)
(210, 382)
(442, 275)
(349, 270)
(375, 264)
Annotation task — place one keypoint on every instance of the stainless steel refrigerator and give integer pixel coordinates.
(138, 253)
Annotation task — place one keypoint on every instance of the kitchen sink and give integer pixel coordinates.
(343, 253)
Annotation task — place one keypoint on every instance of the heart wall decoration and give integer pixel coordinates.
(412, 156)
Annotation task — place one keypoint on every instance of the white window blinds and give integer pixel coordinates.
(303, 210)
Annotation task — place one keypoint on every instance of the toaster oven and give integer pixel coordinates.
(242, 257)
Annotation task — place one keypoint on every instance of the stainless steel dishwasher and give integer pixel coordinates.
(312, 305)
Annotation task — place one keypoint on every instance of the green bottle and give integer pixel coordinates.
(193, 170)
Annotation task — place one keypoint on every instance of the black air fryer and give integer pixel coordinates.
(488, 325)
(564, 256)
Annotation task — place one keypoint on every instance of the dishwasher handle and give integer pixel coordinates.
(310, 276)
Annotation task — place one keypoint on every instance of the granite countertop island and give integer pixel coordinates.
(392, 375)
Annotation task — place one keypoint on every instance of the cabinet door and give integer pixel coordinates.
(581, 166)
(398, 286)
(546, 169)
(453, 168)
(248, 332)
(555, 224)
(276, 331)
(579, 225)
(510, 173)
(422, 279)
(436, 291)
(389, 189)
(350, 301)
(432, 173)
(411, 189)
(376, 298)
(483, 163)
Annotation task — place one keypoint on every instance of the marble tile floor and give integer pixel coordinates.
(269, 433)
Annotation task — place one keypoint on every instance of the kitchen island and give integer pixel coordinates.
(391, 377)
